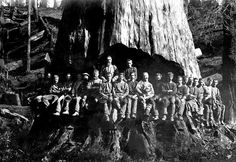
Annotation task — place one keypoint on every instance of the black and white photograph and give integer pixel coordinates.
(118, 80)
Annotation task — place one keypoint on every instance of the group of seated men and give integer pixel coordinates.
(163, 99)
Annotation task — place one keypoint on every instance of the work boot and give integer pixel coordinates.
(155, 118)
(107, 118)
(133, 116)
(222, 122)
(207, 124)
(172, 118)
(75, 114)
(56, 114)
(164, 117)
(66, 112)
(180, 117)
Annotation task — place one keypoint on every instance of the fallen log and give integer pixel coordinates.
(7, 114)
(37, 36)
(33, 38)
(36, 59)
(21, 111)
(46, 28)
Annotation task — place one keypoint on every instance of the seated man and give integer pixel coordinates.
(43, 87)
(169, 90)
(182, 92)
(38, 89)
(146, 92)
(120, 93)
(67, 90)
(158, 95)
(80, 91)
(56, 90)
(191, 99)
(106, 98)
(218, 106)
(94, 85)
(132, 97)
(130, 70)
(185, 80)
(109, 68)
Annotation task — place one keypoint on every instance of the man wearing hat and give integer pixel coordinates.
(120, 93)
(169, 90)
(109, 68)
(106, 98)
(80, 92)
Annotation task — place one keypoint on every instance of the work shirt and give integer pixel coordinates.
(129, 71)
(81, 89)
(200, 93)
(94, 86)
(157, 87)
(216, 94)
(109, 69)
(106, 89)
(193, 92)
(56, 89)
(207, 92)
(67, 88)
(40, 87)
(76, 86)
(182, 91)
(145, 88)
(120, 89)
(132, 87)
(169, 86)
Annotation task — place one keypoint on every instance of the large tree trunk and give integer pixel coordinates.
(156, 27)
(229, 60)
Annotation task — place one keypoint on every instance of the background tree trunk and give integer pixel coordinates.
(229, 60)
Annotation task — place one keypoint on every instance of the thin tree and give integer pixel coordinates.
(29, 33)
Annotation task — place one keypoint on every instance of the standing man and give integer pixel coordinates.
(158, 104)
(207, 103)
(182, 92)
(130, 70)
(120, 93)
(218, 106)
(146, 93)
(132, 97)
(109, 68)
(169, 90)
(106, 99)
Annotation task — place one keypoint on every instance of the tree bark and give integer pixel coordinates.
(229, 60)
